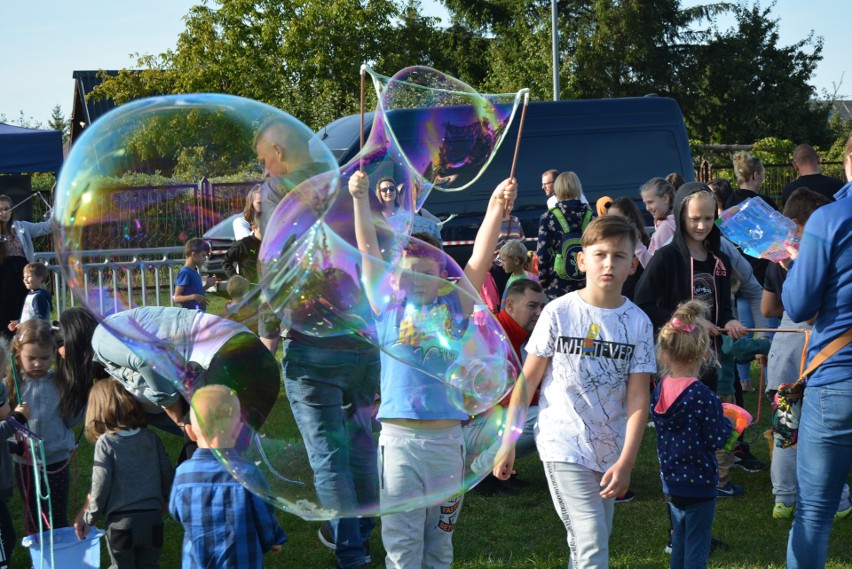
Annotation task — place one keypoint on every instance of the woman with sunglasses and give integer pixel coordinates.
(387, 192)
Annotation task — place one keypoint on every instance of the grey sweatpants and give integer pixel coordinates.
(587, 516)
(421, 471)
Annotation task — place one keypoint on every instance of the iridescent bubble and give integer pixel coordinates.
(311, 273)
(446, 131)
(154, 174)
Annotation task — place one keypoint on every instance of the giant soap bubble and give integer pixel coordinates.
(429, 132)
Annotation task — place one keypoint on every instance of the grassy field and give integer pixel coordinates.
(522, 530)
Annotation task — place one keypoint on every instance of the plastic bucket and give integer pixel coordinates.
(68, 551)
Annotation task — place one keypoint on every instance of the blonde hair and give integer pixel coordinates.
(237, 286)
(36, 331)
(684, 340)
(746, 166)
(112, 408)
(249, 213)
(515, 249)
(567, 186)
(216, 411)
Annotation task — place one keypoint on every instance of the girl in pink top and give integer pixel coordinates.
(658, 196)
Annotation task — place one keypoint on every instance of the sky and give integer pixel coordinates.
(43, 42)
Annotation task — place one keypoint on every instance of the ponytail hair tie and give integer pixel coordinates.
(682, 326)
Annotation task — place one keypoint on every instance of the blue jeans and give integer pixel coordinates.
(331, 392)
(691, 527)
(825, 457)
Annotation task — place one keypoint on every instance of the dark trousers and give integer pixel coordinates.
(135, 539)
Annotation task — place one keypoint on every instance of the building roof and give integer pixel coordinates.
(86, 111)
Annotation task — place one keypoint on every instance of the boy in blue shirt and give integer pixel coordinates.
(225, 524)
(189, 289)
(421, 447)
(592, 351)
(39, 302)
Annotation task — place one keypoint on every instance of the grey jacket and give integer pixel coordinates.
(46, 419)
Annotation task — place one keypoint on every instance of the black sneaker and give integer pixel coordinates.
(745, 460)
(515, 483)
(625, 498)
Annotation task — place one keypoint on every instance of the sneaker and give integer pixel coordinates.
(745, 460)
(515, 483)
(781, 511)
(668, 547)
(843, 514)
(717, 544)
(326, 537)
(627, 497)
(728, 490)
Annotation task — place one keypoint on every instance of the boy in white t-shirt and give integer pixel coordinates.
(592, 350)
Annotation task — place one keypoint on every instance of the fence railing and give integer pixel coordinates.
(116, 279)
(149, 217)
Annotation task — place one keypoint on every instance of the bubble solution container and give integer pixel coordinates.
(68, 551)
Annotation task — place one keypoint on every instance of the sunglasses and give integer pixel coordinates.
(387, 189)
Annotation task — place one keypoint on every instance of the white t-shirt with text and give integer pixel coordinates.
(582, 408)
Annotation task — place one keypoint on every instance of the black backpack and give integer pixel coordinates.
(565, 264)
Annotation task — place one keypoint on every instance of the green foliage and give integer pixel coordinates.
(742, 86)
(59, 122)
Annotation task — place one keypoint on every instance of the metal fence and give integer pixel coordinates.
(112, 280)
(153, 217)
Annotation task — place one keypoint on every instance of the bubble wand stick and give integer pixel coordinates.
(361, 160)
(15, 378)
(509, 206)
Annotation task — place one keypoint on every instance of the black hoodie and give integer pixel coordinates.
(667, 280)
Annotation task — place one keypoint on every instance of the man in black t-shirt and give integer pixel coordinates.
(806, 163)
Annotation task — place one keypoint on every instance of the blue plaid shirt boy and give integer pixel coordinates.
(225, 524)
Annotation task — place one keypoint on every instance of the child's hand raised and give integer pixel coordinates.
(506, 192)
(359, 185)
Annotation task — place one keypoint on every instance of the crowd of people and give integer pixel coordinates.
(613, 326)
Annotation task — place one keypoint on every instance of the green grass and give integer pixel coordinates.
(523, 531)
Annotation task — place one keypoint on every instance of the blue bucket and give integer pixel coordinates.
(68, 551)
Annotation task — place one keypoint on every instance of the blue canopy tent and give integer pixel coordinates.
(24, 150)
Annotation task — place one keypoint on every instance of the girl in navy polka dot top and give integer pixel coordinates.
(690, 427)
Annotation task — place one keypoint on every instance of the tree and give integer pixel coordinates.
(300, 56)
(742, 86)
(59, 122)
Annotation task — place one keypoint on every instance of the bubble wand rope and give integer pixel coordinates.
(37, 454)
(509, 206)
(361, 159)
(15, 377)
(771, 331)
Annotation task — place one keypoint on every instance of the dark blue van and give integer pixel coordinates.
(614, 146)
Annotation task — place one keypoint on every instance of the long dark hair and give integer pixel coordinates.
(6, 228)
(77, 371)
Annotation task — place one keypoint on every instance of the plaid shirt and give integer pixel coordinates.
(225, 524)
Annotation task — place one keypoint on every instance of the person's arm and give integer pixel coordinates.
(616, 480)
(482, 256)
(180, 286)
(663, 233)
(167, 473)
(522, 393)
(102, 471)
(269, 532)
(233, 255)
(654, 281)
(642, 253)
(544, 247)
(808, 278)
(37, 229)
(716, 428)
(41, 305)
(770, 305)
(365, 235)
